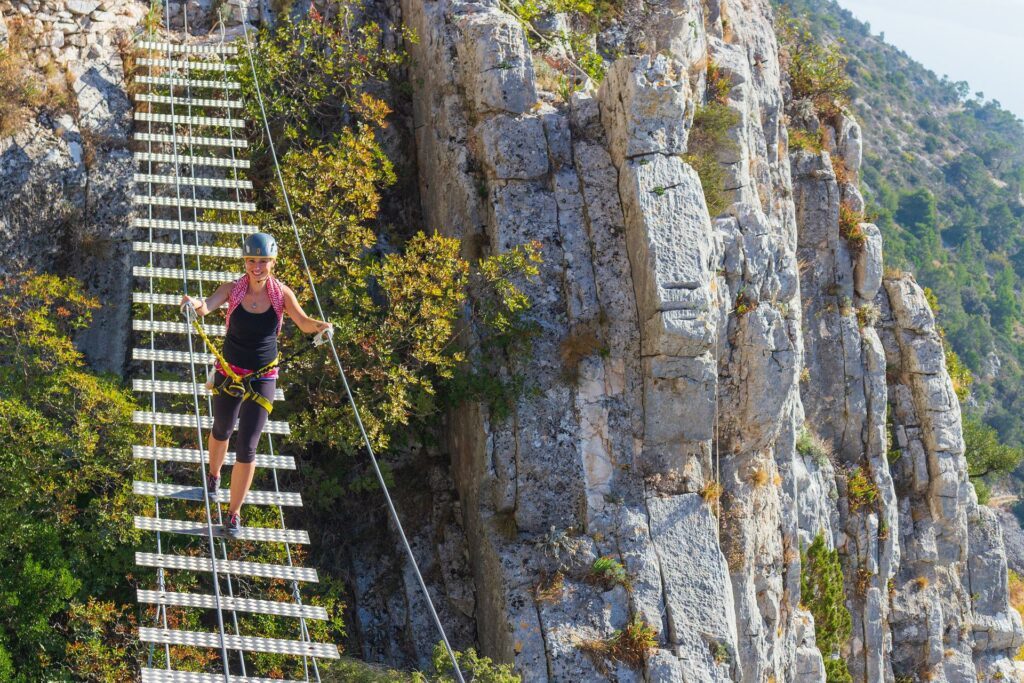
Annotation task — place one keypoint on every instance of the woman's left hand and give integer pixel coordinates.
(325, 331)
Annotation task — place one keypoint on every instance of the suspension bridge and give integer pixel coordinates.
(191, 157)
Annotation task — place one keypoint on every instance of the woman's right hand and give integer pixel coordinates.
(190, 301)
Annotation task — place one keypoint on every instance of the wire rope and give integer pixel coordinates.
(192, 365)
(341, 371)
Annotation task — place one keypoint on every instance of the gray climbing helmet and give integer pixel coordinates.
(260, 244)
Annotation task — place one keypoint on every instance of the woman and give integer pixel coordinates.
(256, 304)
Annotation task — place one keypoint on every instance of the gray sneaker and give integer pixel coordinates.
(233, 524)
(212, 485)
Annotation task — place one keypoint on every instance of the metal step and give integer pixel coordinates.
(193, 455)
(189, 180)
(185, 120)
(189, 64)
(297, 648)
(191, 140)
(196, 49)
(235, 567)
(188, 249)
(173, 81)
(278, 609)
(160, 299)
(168, 327)
(165, 356)
(174, 676)
(189, 101)
(146, 417)
(177, 274)
(184, 388)
(222, 228)
(246, 533)
(215, 162)
(189, 203)
(282, 498)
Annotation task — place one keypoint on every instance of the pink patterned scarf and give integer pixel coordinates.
(238, 292)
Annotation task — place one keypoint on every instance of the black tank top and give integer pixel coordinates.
(251, 341)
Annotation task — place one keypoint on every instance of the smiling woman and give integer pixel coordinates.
(257, 302)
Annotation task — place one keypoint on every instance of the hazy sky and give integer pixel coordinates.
(978, 41)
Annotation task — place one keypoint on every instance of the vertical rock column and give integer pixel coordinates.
(844, 392)
(645, 110)
(758, 345)
(951, 619)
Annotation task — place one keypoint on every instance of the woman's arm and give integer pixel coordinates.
(212, 302)
(294, 310)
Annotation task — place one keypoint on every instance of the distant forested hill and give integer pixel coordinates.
(944, 172)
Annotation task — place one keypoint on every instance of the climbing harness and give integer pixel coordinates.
(240, 386)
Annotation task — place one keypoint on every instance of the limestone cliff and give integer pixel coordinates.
(679, 358)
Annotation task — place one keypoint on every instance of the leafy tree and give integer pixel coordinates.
(398, 308)
(984, 452)
(917, 211)
(316, 75)
(65, 492)
(821, 592)
(816, 71)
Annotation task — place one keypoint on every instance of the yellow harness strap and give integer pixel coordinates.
(238, 385)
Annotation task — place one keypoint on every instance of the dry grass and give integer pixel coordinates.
(850, 227)
(24, 87)
(711, 492)
(842, 171)
(630, 645)
(759, 477)
(863, 582)
(921, 582)
(550, 588)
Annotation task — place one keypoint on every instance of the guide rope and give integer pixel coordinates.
(341, 371)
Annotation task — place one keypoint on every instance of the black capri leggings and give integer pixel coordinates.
(251, 416)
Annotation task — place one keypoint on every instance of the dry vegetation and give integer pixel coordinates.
(24, 87)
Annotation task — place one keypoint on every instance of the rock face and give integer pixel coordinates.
(66, 180)
(682, 364)
(949, 600)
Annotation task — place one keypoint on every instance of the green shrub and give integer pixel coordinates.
(868, 315)
(630, 645)
(822, 593)
(348, 670)
(985, 454)
(474, 668)
(318, 76)
(719, 84)
(66, 505)
(816, 72)
(959, 373)
(800, 139)
(608, 572)
(861, 490)
(586, 19)
(708, 137)
(810, 445)
(850, 227)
